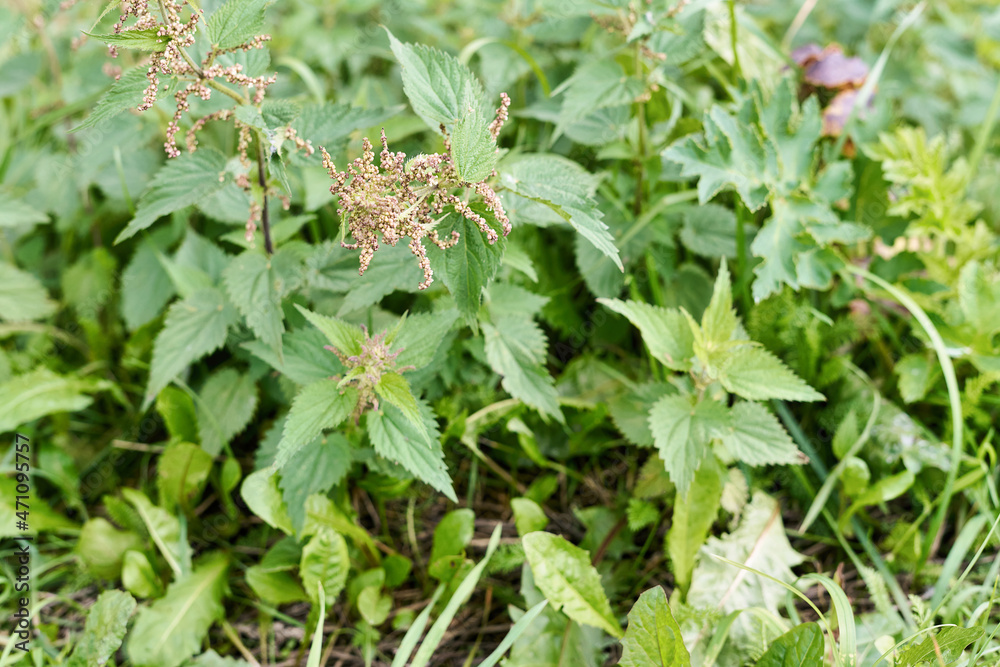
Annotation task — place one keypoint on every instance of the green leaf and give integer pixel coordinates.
(227, 402)
(683, 432)
(719, 322)
(473, 262)
(275, 588)
(653, 638)
(138, 40)
(260, 493)
(41, 392)
(528, 516)
(453, 534)
(800, 646)
(755, 437)
(595, 85)
(177, 409)
(138, 576)
(568, 189)
(183, 181)
(395, 390)
(252, 285)
(325, 562)
(126, 93)
(709, 231)
(15, 213)
(43, 519)
(979, 297)
(235, 22)
(664, 331)
(441, 90)
(949, 643)
(22, 297)
(316, 468)
(347, 338)
(570, 583)
(165, 530)
(417, 450)
(172, 629)
(107, 620)
(305, 358)
(473, 148)
(145, 287)
(181, 473)
(515, 348)
(421, 335)
(101, 547)
(694, 514)
(755, 374)
(916, 375)
(316, 408)
(194, 327)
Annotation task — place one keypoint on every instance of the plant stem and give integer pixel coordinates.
(265, 222)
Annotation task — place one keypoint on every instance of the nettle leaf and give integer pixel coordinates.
(417, 450)
(472, 263)
(316, 408)
(755, 374)
(194, 327)
(683, 431)
(710, 231)
(252, 285)
(562, 571)
(227, 402)
(107, 620)
(421, 335)
(395, 390)
(326, 562)
(719, 321)
(473, 148)
(305, 359)
(515, 348)
(441, 90)
(665, 331)
(25, 398)
(316, 468)
(595, 85)
(694, 514)
(347, 338)
(15, 213)
(139, 40)
(235, 22)
(802, 645)
(568, 189)
(22, 296)
(172, 629)
(183, 181)
(755, 437)
(653, 638)
(126, 93)
(329, 124)
(945, 647)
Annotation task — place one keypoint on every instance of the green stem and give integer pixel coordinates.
(737, 69)
(954, 396)
(985, 130)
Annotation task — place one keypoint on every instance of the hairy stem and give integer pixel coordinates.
(265, 221)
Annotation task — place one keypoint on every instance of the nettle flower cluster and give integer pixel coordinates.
(365, 369)
(397, 199)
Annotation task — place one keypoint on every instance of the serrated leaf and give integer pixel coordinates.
(945, 647)
(326, 562)
(683, 431)
(316, 408)
(22, 296)
(347, 338)
(252, 286)
(568, 189)
(473, 149)
(694, 514)
(755, 374)
(316, 468)
(235, 22)
(107, 620)
(329, 124)
(570, 583)
(595, 85)
(126, 93)
(473, 262)
(15, 213)
(305, 358)
(515, 348)
(802, 645)
(172, 629)
(664, 331)
(420, 336)
(25, 398)
(719, 322)
(146, 39)
(653, 638)
(194, 327)
(710, 231)
(441, 90)
(395, 390)
(228, 402)
(183, 181)
(755, 437)
(417, 450)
